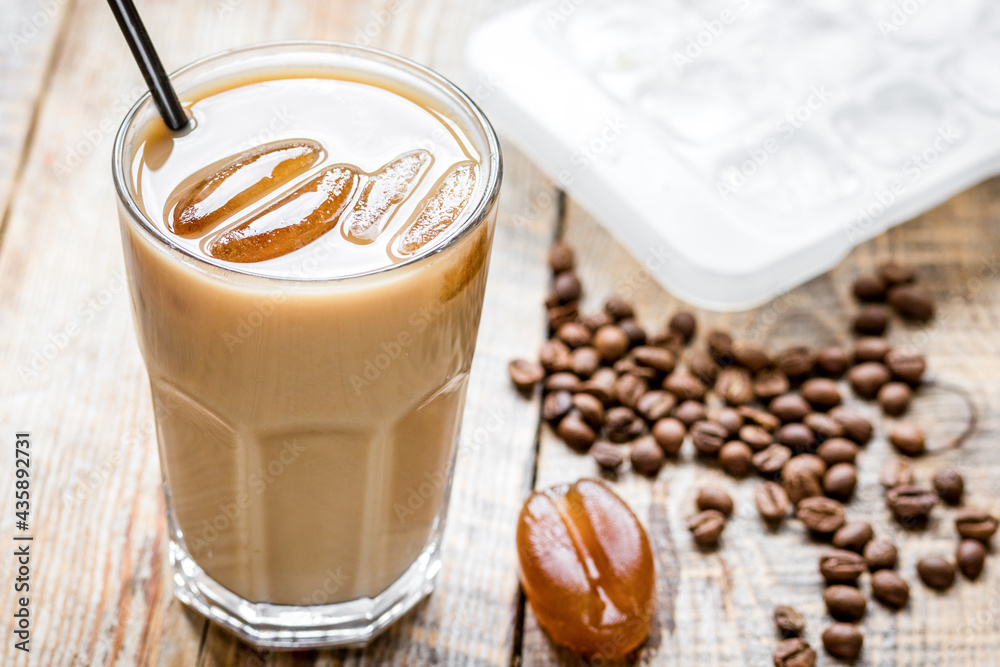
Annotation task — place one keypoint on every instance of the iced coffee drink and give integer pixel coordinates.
(307, 267)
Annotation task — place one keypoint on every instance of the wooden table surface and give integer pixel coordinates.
(73, 376)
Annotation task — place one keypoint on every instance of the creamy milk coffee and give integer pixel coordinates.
(307, 298)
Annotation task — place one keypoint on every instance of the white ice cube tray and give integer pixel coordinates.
(741, 147)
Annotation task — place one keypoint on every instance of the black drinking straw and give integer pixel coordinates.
(164, 95)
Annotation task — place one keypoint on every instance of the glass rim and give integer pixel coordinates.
(474, 218)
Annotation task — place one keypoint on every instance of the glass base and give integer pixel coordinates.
(283, 627)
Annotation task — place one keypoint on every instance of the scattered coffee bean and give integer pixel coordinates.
(856, 427)
(656, 405)
(608, 457)
(871, 320)
(761, 418)
(820, 514)
(708, 437)
(890, 589)
(750, 356)
(591, 409)
(795, 362)
(563, 381)
(840, 481)
(843, 641)
(823, 425)
(970, 557)
(561, 314)
(566, 287)
(734, 386)
(912, 302)
(772, 501)
(622, 424)
(936, 572)
(871, 348)
(611, 342)
(690, 412)
(596, 320)
(853, 536)
(812, 463)
(555, 356)
(561, 257)
(908, 439)
(894, 398)
(906, 367)
(584, 361)
(911, 504)
(789, 407)
(895, 274)
(794, 652)
(880, 554)
(841, 566)
(629, 389)
(619, 308)
(976, 524)
(867, 378)
(684, 323)
(896, 472)
(684, 386)
(706, 527)
(636, 335)
(800, 481)
(669, 435)
(574, 334)
(949, 485)
(797, 437)
(657, 358)
(703, 366)
(832, 362)
(731, 419)
(576, 433)
(770, 382)
(822, 393)
(525, 374)
(789, 621)
(556, 405)
(845, 603)
(735, 458)
(714, 498)
(646, 456)
(756, 437)
(838, 450)
(601, 385)
(770, 461)
(720, 346)
(869, 288)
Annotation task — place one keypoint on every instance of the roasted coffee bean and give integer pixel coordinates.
(635, 333)
(895, 274)
(628, 365)
(655, 405)
(843, 641)
(607, 456)
(910, 504)
(890, 589)
(556, 405)
(800, 482)
(912, 302)
(619, 308)
(731, 419)
(832, 362)
(907, 438)
(756, 437)
(708, 437)
(895, 472)
(574, 334)
(629, 389)
(856, 427)
(841, 566)
(770, 461)
(811, 462)
(976, 524)
(564, 381)
(750, 356)
(772, 501)
(797, 437)
(714, 498)
(561, 257)
(950, 485)
(684, 386)
(761, 418)
(703, 366)
(871, 320)
(894, 398)
(789, 407)
(794, 652)
(525, 374)
(905, 366)
(867, 378)
(795, 362)
(820, 514)
(840, 481)
(575, 432)
(823, 425)
(690, 412)
(596, 320)
(647, 457)
(845, 603)
(822, 393)
(669, 435)
(661, 360)
(880, 554)
(734, 386)
(770, 382)
(970, 557)
(853, 536)
(622, 424)
(584, 361)
(668, 340)
(706, 527)
(591, 409)
(936, 572)
(683, 323)
(871, 348)
(561, 314)
(611, 342)
(735, 458)
(566, 287)
(720, 346)
(601, 385)
(838, 450)
(869, 288)
(555, 356)
(789, 621)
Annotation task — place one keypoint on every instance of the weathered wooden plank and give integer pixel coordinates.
(715, 606)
